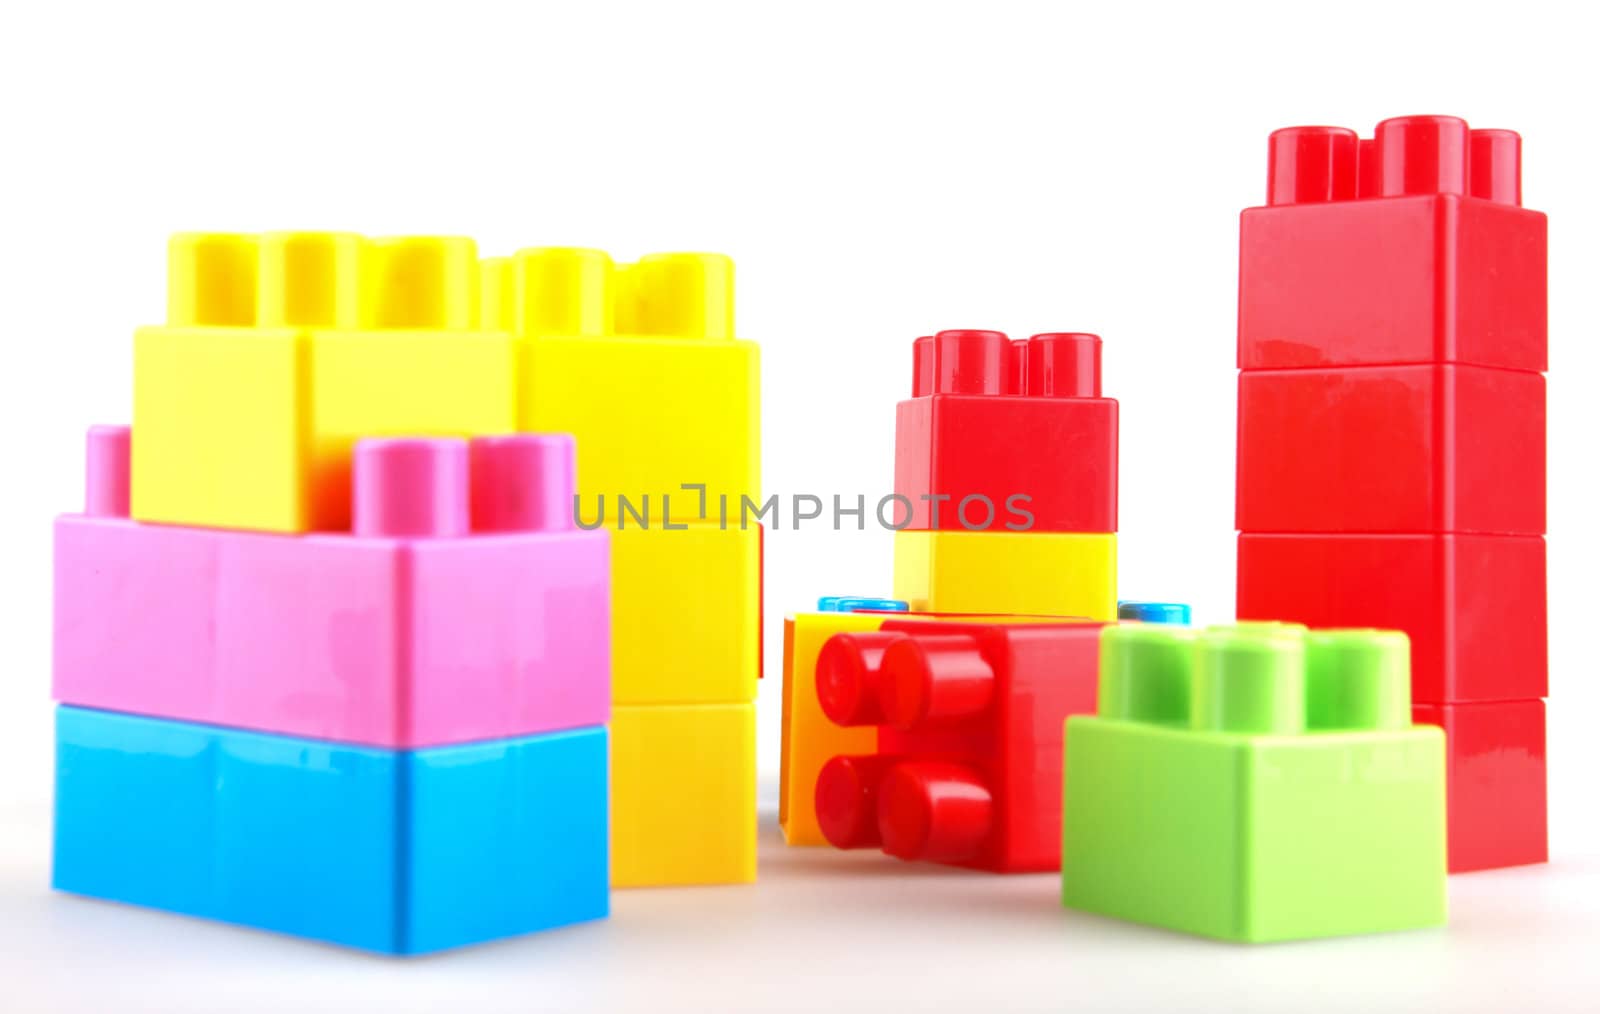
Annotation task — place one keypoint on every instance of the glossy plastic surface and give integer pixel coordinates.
(1153, 612)
(686, 612)
(988, 573)
(419, 632)
(858, 603)
(809, 738)
(401, 852)
(1474, 606)
(1392, 449)
(281, 350)
(1254, 783)
(1445, 268)
(683, 795)
(1002, 420)
(1498, 765)
(971, 715)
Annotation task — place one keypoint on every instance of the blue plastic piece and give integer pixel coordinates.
(858, 604)
(1154, 612)
(402, 852)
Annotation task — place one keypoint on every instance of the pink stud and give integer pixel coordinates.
(410, 487)
(106, 482)
(523, 483)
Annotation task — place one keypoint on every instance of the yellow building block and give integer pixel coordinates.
(809, 738)
(685, 613)
(683, 795)
(1048, 573)
(639, 363)
(281, 350)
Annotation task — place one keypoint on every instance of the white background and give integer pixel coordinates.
(878, 172)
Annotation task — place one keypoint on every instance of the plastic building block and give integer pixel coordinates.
(1002, 433)
(969, 719)
(855, 604)
(683, 785)
(640, 363)
(1392, 449)
(1038, 573)
(1254, 784)
(402, 852)
(465, 605)
(686, 611)
(1497, 767)
(282, 350)
(1409, 248)
(1473, 605)
(809, 738)
(1153, 612)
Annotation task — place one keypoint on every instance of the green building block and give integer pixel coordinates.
(1254, 783)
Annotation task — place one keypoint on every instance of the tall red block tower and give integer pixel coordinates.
(1391, 469)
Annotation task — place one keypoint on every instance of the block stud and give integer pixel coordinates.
(1017, 367)
(309, 279)
(934, 810)
(934, 678)
(422, 282)
(410, 487)
(497, 294)
(106, 484)
(1496, 173)
(922, 367)
(523, 482)
(1063, 365)
(1368, 173)
(847, 800)
(970, 362)
(684, 295)
(849, 676)
(1146, 673)
(1358, 679)
(211, 280)
(1154, 612)
(1250, 679)
(563, 291)
(1309, 165)
(1422, 155)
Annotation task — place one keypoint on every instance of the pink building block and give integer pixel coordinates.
(466, 605)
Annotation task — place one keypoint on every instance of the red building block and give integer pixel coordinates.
(998, 419)
(1473, 605)
(1429, 448)
(970, 720)
(1409, 248)
(1496, 777)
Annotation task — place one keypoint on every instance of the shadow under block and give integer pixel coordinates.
(1497, 763)
(683, 795)
(1427, 448)
(686, 614)
(1037, 573)
(1427, 278)
(1474, 606)
(1245, 813)
(809, 738)
(399, 852)
(389, 641)
(651, 415)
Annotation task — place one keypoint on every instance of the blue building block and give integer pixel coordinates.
(1153, 612)
(402, 852)
(858, 604)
